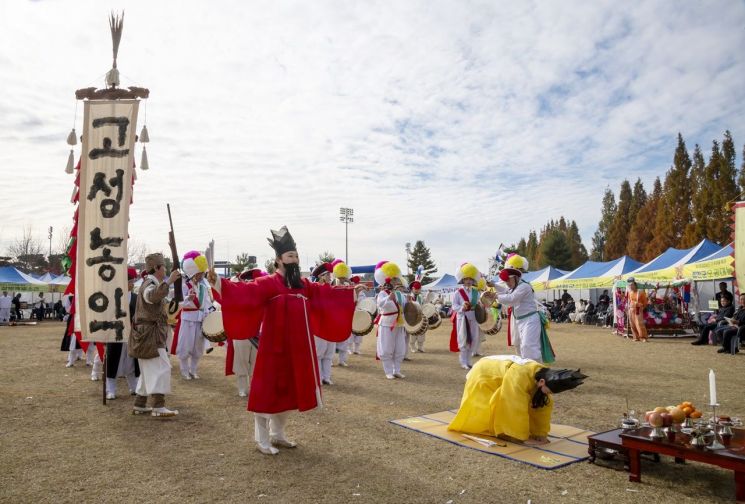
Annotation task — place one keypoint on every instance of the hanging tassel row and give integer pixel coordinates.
(72, 138)
(70, 163)
(144, 164)
(144, 137)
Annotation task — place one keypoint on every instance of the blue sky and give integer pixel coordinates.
(465, 124)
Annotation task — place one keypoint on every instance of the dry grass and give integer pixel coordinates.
(58, 443)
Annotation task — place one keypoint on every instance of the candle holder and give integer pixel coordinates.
(715, 445)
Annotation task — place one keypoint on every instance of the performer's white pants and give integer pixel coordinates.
(476, 343)
(131, 383)
(344, 349)
(155, 375)
(267, 426)
(244, 359)
(417, 342)
(357, 343)
(4, 314)
(74, 353)
(97, 369)
(325, 353)
(530, 337)
(191, 346)
(467, 326)
(126, 368)
(407, 342)
(391, 348)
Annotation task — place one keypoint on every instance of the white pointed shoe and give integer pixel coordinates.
(343, 364)
(267, 450)
(389, 376)
(399, 375)
(242, 394)
(141, 410)
(194, 376)
(282, 442)
(186, 376)
(69, 364)
(164, 412)
(95, 378)
(110, 396)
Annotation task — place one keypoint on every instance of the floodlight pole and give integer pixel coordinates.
(346, 215)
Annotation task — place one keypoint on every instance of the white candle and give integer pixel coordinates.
(712, 388)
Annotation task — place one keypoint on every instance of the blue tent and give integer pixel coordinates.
(725, 251)
(676, 257)
(363, 269)
(595, 269)
(12, 279)
(446, 281)
(544, 275)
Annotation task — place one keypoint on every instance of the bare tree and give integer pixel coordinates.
(27, 245)
(63, 239)
(136, 252)
(28, 252)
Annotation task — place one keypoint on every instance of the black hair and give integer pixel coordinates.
(539, 399)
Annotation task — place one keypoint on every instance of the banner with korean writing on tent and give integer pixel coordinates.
(105, 194)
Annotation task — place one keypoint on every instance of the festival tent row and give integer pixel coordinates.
(594, 275)
(670, 265)
(13, 280)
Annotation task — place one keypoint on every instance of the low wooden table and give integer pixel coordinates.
(732, 457)
(611, 440)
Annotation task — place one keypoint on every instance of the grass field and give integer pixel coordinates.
(58, 443)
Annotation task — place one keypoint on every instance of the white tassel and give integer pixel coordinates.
(112, 78)
(144, 137)
(70, 163)
(72, 138)
(144, 164)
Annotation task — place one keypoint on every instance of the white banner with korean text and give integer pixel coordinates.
(103, 217)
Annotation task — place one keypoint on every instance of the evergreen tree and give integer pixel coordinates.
(577, 249)
(555, 251)
(531, 250)
(701, 202)
(674, 209)
(325, 257)
(243, 261)
(641, 232)
(638, 199)
(269, 266)
(522, 247)
(615, 246)
(421, 256)
(607, 213)
(725, 190)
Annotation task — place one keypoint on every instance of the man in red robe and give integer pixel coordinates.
(289, 310)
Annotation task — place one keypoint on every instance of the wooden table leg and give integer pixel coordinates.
(740, 486)
(635, 466)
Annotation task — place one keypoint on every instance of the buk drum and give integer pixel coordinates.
(369, 305)
(492, 323)
(362, 322)
(212, 328)
(414, 320)
(433, 317)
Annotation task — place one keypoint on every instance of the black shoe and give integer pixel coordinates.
(209, 350)
(697, 342)
(721, 350)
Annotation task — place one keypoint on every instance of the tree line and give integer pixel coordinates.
(692, 202)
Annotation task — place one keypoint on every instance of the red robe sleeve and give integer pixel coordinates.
(243, 306)
(331, 311)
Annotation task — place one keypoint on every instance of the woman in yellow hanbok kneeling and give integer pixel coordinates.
(509, 396)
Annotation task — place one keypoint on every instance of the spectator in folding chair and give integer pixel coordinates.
(716, 320)
(735, 330)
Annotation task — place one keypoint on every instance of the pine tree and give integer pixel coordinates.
(638, 199)
(615, 246)
(531, 250)
(577, 249)
(725, 191)
(555, 251)
(421, 256)
(641, 232)
(678, 193)
(701, 202)
(607, 213)
(269, 266)
(325, 257)
(522, 247)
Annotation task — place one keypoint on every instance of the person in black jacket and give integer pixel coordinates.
(735, 328)
(726, 311)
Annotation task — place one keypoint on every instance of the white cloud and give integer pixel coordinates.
(462, 124)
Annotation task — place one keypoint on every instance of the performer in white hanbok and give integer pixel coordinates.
(391, 331)
(324, 349)
(528, 318)
(196, 304)
(342, 274)
(466, 332)
(357, 339)
(5, 303)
